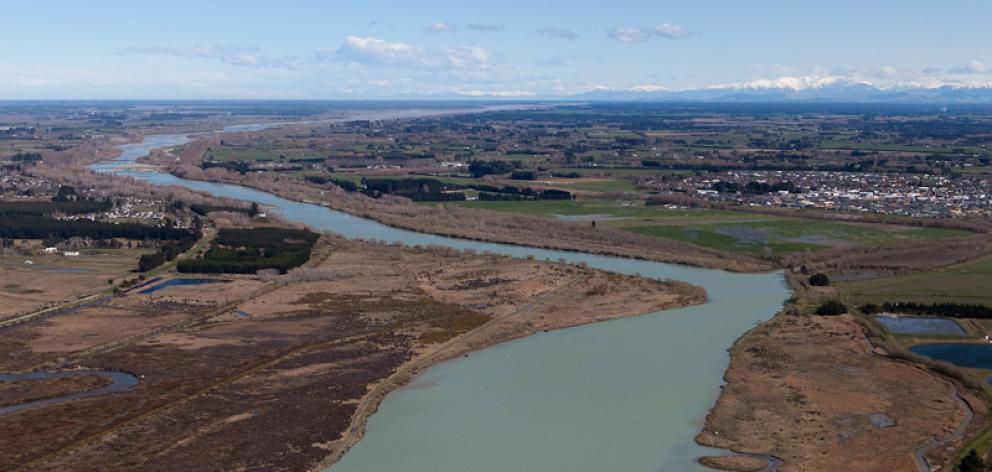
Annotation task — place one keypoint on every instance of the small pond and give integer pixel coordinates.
(973, 355)
(178, 283)
(920, 325)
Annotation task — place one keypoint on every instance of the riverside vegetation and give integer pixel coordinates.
(698, 186)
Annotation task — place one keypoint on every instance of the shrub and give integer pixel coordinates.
(833, 307)
(972, 463)
(483, 168)
(167, 251)
(819, 280)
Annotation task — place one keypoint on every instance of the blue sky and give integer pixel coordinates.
(379, 49)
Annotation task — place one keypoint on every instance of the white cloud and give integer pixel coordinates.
(413, 70)
(865, 72)
(648, 88)
(370, 50)
(378, 67)
(633, 34)
(566, 59)
(441, 27)
(247, 56)
(972, 67)
(558, 33)
(55, 82)
(888, 71)
(466, 57)
(670, 31)
(484, 27)
(496, 93)
(628, 34)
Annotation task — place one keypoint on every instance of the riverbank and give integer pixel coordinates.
(478, 225)
(305, 198)
(839, 406)
(460, 223)
(604, 296)
(286, 379)
(449, 221)
(654, 346)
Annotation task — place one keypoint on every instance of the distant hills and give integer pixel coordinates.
(802, 90)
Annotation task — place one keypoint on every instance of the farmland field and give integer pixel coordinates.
(231, 153)
(55, 278)
(963, 283)
(589, 185)
(724, 230)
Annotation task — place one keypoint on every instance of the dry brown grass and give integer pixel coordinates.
(287, 376)
(802, 388)
(12, 393)
(27, 288)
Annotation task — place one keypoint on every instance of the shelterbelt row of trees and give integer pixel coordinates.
(417, 189)
(952, 310)
(167, 251)
(434, 190)
(247, 251)
(42, 208)
(31, 227)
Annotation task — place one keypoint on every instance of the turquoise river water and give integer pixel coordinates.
(625, 395)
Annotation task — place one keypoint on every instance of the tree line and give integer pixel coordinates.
(417, 189)
(32, 227)
(246, 251)
(347, 185)
(47, 208)
(204, 209)
(527, 194)
(484, 168)
(950, 310)
(166, 252)
(434, 190)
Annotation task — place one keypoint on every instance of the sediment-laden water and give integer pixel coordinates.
(626, 395)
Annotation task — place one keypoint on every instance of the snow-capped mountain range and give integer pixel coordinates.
(805, 89)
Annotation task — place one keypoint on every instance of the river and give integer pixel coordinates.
(118, 381)
(624, 395)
